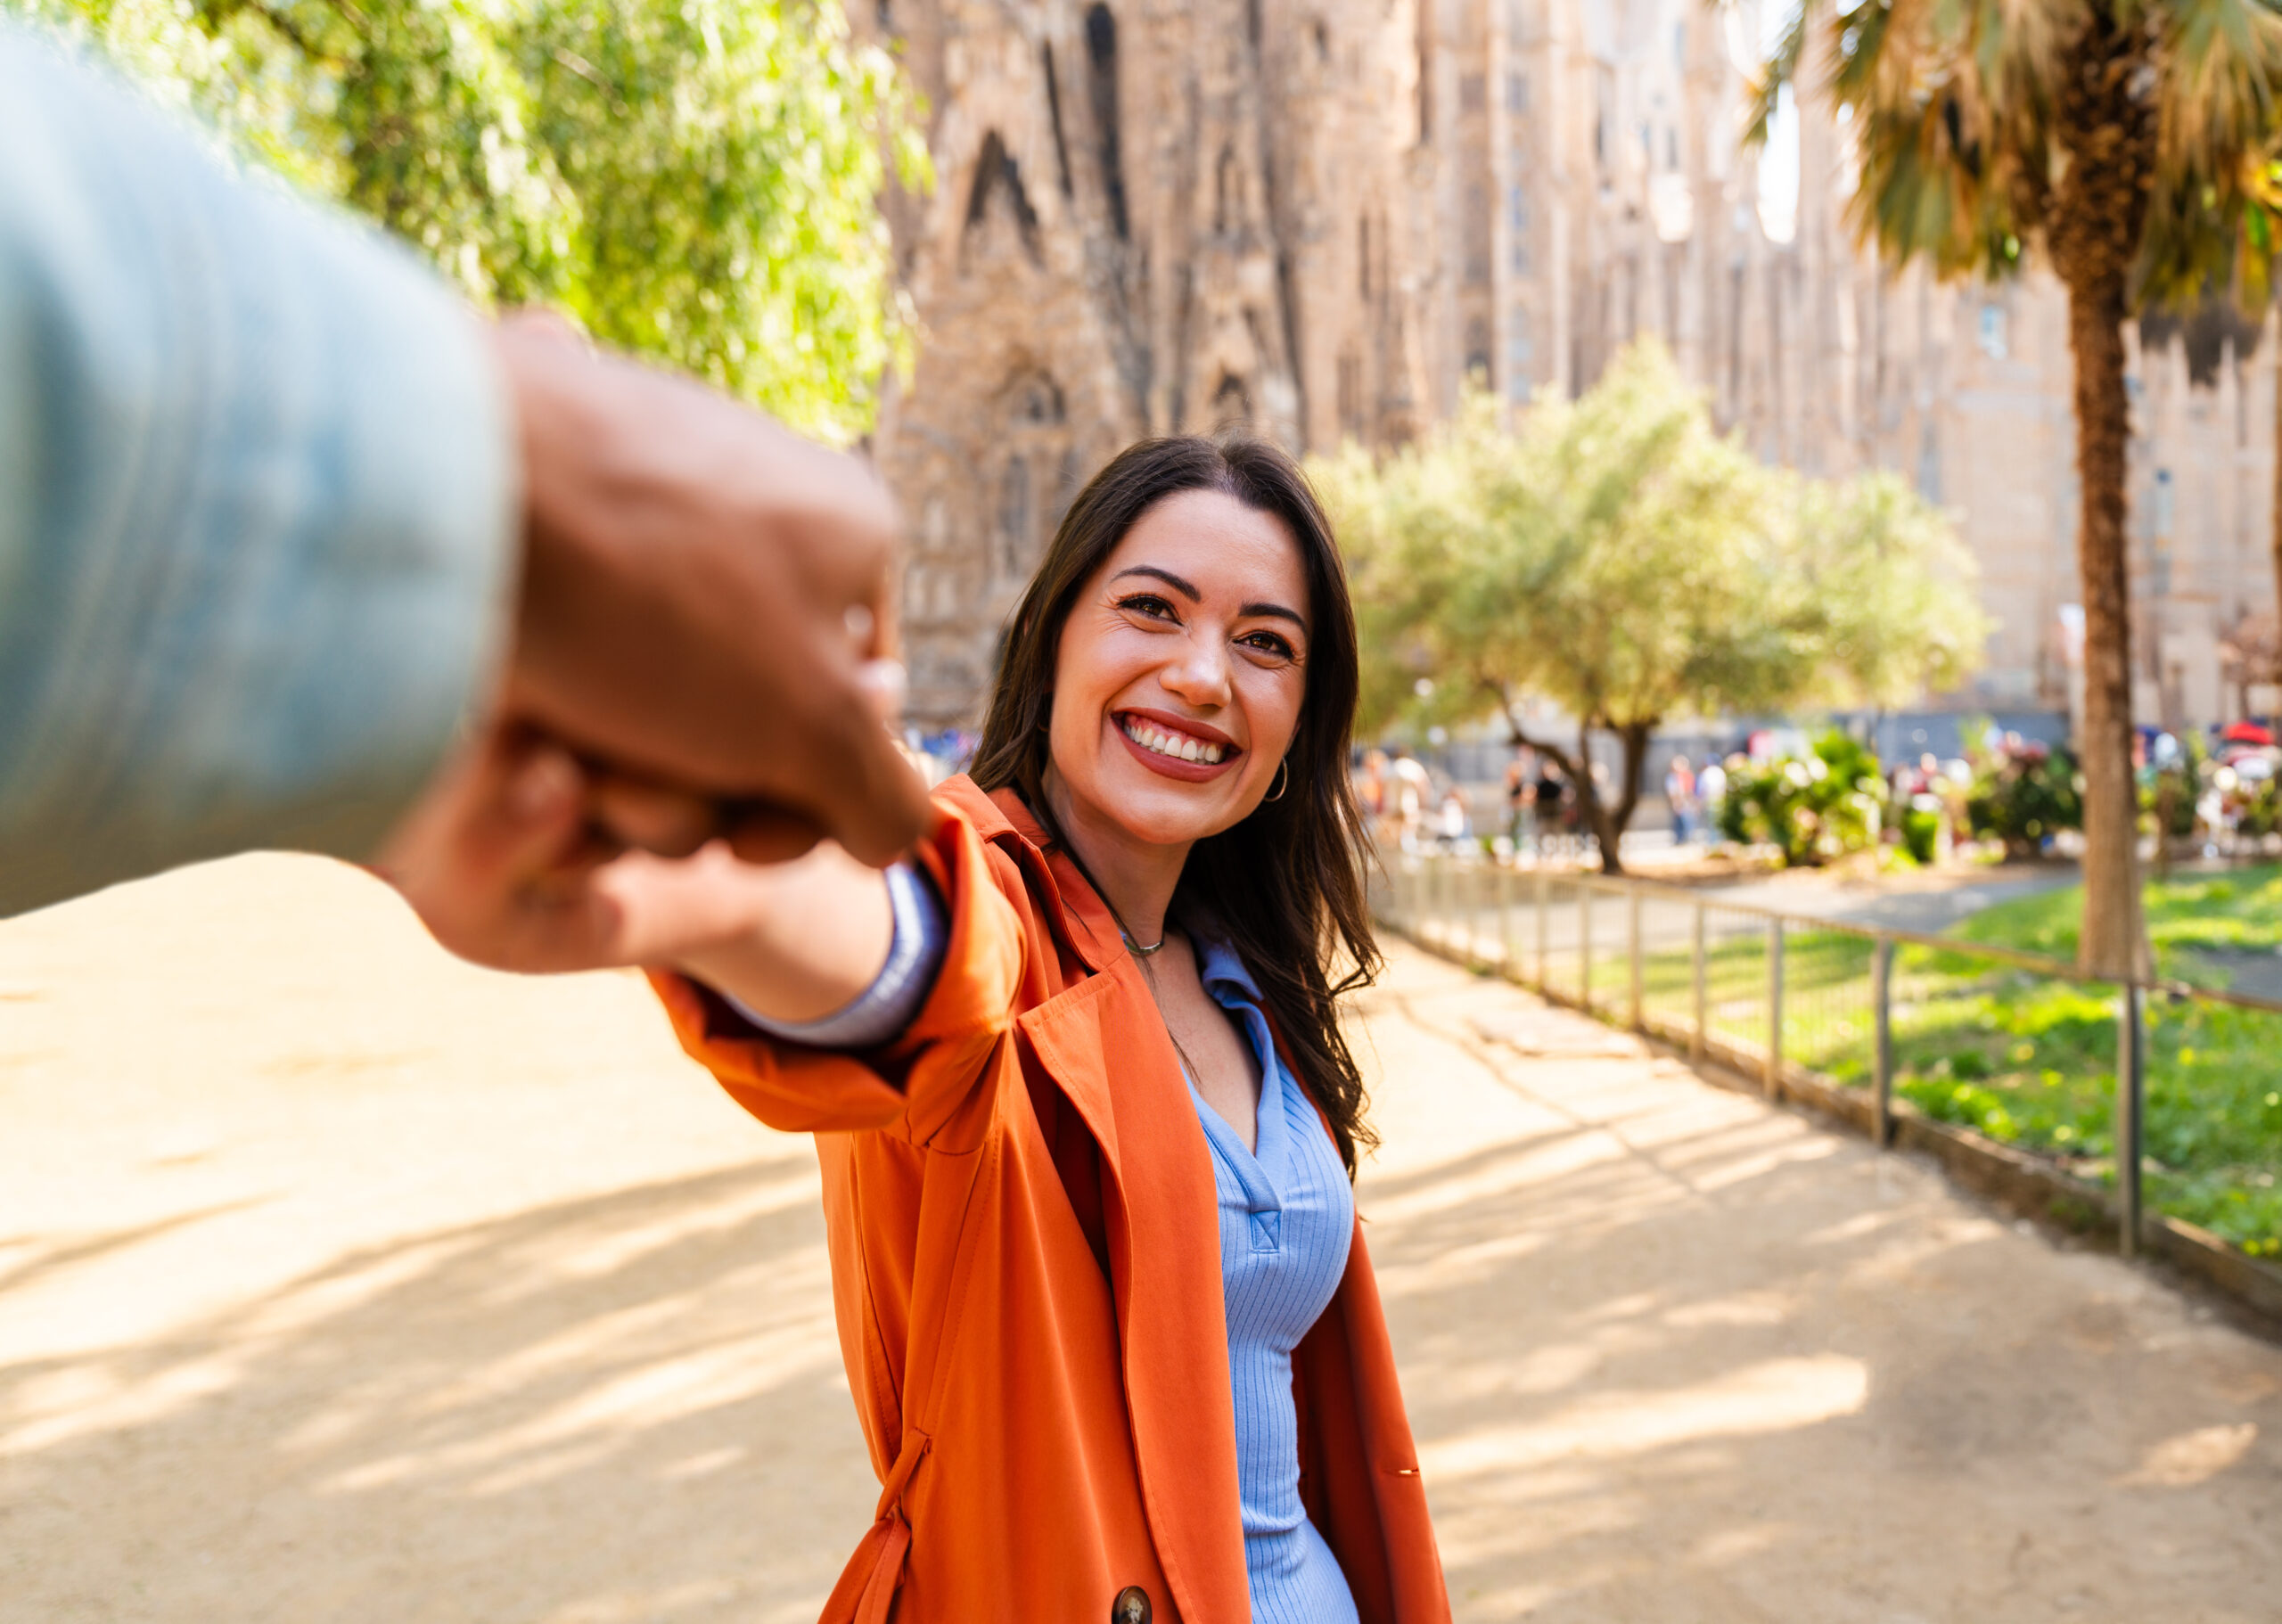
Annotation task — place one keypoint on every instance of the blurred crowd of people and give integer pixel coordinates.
(1407, 805)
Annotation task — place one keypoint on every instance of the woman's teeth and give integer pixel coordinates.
(1179, 747)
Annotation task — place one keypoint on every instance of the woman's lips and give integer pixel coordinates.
(1126, 723)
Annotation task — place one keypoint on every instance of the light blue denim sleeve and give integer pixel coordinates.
(881, 1012)
(256, 502)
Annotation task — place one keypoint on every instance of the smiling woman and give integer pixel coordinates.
(1194, 592)
(1086, 1117)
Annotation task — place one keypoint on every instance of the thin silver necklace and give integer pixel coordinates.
(1138, 950)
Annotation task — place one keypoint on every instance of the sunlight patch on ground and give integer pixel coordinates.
(584, 1255)
(73, 1403)
(2195, 1457)
(1774, 1396)
(1762, 1308)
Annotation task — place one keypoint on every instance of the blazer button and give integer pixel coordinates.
(1131, 1606)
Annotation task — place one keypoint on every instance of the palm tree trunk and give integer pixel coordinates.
(2274, 675)
(2107, 121)
(2115, 938)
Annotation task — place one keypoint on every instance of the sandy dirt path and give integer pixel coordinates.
(340, 1282)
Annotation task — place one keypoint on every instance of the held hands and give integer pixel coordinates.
(705, 602)
(701, 649)
(512, 861)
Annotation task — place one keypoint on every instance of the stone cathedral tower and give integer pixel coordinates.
(1321, 218)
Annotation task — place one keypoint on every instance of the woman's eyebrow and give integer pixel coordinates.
(1278, 610)
(1185, 588)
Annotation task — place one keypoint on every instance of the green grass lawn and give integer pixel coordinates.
(2189, 918)
(2029, 1060)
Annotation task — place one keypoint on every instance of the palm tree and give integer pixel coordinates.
(2111, 136)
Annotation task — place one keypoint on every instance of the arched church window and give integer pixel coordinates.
(1015, 516)
(998, 182)
(1477, 353)
(1033, 481)
(1231, 402)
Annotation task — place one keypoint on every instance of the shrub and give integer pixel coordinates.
(2257, 806)
(1921, 830)
(2169, 794)
(1811, 810)
(2023, 794)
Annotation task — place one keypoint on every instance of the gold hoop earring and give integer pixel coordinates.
(1283, 779)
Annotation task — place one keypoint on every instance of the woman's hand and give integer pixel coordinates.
(519, 859)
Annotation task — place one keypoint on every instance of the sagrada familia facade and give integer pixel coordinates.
(1320, 218)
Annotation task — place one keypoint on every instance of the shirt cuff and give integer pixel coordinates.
(881, 1011)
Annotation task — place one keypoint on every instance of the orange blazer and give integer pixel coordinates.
(1026, 1269)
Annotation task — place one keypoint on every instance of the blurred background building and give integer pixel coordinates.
(1322, 217)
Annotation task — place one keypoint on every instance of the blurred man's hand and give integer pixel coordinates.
(704, 604)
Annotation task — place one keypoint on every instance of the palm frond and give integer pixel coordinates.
(1779, 73)
(2220, 65)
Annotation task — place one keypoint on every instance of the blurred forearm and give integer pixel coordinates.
(257, 498)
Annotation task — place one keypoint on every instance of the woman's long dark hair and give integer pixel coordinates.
(1285, 887)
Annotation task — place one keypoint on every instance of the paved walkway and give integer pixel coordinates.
(1927, 908)
(340, 1282)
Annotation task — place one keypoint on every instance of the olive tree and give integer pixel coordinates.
(1616, 556)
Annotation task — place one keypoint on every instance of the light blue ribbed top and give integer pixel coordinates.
(1286, 1218)
(1287, 1215)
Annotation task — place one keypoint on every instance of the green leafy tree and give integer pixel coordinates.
(1887, 573)
(1615, 555)
(694, 180)
(2104, 134)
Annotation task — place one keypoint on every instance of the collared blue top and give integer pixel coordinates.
(1288, 1216)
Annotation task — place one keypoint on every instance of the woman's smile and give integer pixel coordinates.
(1176, 746)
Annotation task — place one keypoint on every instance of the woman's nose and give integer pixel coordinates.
(1199, 675)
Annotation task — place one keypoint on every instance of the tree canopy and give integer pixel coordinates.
(692, 180)
(1617, 556)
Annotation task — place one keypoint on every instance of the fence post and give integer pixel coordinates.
(1632, 948)
(1881, 1040)
(1700, 1033)
(1584, 944)
(2131, 1102)
(1544, 914)
(1505, 923)
(1774, 1079)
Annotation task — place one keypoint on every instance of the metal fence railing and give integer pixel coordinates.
(2168, 1096)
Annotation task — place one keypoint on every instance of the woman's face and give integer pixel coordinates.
(1177, 690)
